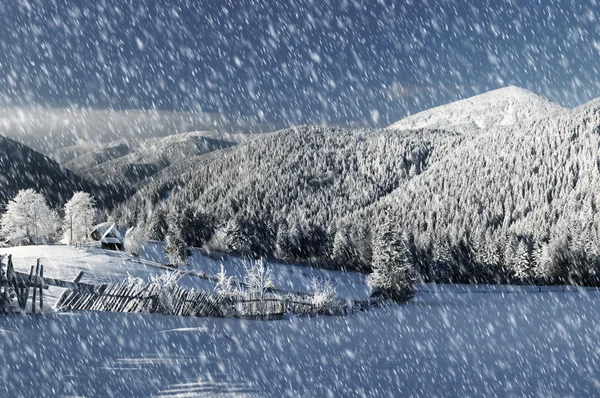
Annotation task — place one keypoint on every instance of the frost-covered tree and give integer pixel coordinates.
(135, 240)
(258, 278)
(80, 214)
(165, 284)
(156, 227)
(224, 285)
(324, 294)
(175, 248)
(522, 262)
(236, 237)
(394, 275)
(282, 242)
(28, 215)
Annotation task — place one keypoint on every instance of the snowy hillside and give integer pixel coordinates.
(129, 161)
(512, 203)
(502, 107)
(21, 167)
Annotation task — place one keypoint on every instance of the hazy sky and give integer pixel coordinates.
(344, 62)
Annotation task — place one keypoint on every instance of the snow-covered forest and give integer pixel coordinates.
(509, 202)
(299, 198)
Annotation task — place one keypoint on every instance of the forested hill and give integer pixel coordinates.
(518, 201)
(21, 167)
(508, 202)
(292, 187)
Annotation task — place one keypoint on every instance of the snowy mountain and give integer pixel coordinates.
(21, 168)
(502, 107)
(129, 161)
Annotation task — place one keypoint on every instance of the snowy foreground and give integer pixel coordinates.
(446, 343)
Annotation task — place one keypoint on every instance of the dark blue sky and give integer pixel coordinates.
(340, 62)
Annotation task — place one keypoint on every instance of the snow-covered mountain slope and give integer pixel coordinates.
(49, 129)
(528, 184)
(21, 167)
(502, 107)
(130, 161)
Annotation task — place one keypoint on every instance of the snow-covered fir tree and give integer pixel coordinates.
(156, 227)
(394, 275)
(175, 248)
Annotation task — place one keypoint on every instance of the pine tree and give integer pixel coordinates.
(394, 274)
(522, 262)
(175, 248)
(156, 228)
(236, 239)
(282, 243)
(440, 268)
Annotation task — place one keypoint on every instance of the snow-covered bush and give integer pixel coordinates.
(324, 294)
(224, 286)
(29, 216)
(135, 240)
(394, 275)
(80, 213)
(167, 284)
(218, 242)
(134, 281)
(258, 278)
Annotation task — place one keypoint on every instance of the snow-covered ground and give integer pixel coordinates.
(438, 345)
(449, 341)
(99, 266)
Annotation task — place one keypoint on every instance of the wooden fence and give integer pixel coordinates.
(15, 288)
(152, 298)
(149, 298)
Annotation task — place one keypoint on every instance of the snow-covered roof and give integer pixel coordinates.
(112, 235)
(102, 227)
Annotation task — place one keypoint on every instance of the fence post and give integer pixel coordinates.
(37, 274)
(41, 289)
(28, 287)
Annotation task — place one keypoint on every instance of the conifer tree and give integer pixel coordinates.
(394, 275)
(157, 225)
(175, 248)
(522, 262)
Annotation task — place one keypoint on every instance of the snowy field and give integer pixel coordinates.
(448, 341)
(438, 345)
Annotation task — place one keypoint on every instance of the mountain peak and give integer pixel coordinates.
(504, 106)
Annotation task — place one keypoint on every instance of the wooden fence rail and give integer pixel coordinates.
(152, 298)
